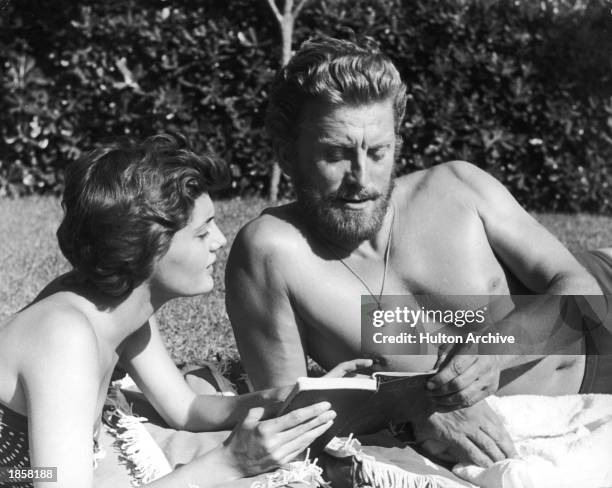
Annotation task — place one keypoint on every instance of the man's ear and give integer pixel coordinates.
(284, 153)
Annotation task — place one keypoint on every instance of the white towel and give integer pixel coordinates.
(561, 441)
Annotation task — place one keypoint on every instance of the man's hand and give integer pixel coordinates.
(473, 435)
(463, 379)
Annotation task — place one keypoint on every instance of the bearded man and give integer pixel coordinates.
(296, 273)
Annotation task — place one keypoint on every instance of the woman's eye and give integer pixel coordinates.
(203, 236)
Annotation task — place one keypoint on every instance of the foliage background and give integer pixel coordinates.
(521, 88)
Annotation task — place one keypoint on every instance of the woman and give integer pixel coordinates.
(139, 230)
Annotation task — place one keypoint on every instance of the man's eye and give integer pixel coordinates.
(335, 155)
(378, 154)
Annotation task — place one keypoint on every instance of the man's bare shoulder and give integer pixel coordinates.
(458, 178)
(275, 232)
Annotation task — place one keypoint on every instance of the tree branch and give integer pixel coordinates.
(288, 7)
(275, 11)
(299, 7)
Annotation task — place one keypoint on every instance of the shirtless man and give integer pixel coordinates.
(296, 273)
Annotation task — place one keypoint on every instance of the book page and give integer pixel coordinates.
(386, 376)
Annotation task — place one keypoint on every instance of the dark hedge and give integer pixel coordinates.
(523, 88)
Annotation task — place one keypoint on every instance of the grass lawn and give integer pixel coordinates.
(195, 329)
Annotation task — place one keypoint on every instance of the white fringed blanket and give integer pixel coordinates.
(562, 442)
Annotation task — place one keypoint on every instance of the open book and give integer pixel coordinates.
(363, 404)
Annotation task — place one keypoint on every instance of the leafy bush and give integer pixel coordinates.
(521, 88)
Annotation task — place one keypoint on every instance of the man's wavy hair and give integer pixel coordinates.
(124, 201)
(334, 71)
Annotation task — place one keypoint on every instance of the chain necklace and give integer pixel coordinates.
(378, 299)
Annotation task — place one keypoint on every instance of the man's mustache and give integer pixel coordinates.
(354, 194)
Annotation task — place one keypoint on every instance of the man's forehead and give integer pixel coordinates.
(326, 121)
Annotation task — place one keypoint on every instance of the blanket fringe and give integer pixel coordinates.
(307, 472)
(367, 472)
(140, 453)
(380, 475)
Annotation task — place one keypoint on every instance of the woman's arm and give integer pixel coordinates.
(61, 379)
(254, 447)
(147, 361)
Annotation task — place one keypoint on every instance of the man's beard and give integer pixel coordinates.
(330, 218)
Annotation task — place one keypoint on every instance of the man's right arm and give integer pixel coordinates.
(258, 301)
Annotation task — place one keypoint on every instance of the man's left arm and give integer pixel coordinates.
(525, 246)
(539, 261)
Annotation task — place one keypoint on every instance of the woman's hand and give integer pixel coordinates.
(256, 446)
(347, 367)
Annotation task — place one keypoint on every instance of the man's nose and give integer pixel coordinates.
(359, 168)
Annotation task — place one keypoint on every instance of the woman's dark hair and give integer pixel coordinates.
(124, 201)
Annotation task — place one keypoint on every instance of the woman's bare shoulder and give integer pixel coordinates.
(55, 322)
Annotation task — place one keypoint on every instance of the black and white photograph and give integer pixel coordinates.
(306, 243)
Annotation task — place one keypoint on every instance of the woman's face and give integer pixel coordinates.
(187, 268)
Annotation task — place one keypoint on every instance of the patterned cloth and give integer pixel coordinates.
(14, 442)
